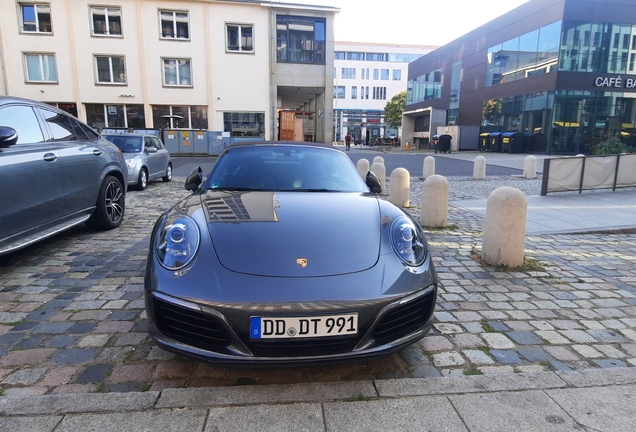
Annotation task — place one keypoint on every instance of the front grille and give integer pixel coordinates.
(404, 319)
(188, 326)
(303, 347)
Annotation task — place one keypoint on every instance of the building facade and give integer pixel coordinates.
(366, 76)
(561, 71)
(223, 65)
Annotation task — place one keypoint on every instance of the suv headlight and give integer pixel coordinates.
(131, 162)
(178, 242)
(408, 241)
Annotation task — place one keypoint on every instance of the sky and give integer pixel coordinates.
(414, 22)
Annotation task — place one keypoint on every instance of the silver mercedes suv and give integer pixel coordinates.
(55, 173)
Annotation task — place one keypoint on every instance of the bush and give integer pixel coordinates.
(610, 146)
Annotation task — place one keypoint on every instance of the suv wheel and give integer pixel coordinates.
(142, 181)
(168, 175)
(111, 201)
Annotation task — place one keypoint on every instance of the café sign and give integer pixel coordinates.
(615, 82)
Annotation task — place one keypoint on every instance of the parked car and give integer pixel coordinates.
(146, 157)
(55, 172)
(284, 255)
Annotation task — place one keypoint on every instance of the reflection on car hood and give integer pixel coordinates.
(293, 234)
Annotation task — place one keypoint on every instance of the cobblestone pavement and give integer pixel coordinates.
(72, 319)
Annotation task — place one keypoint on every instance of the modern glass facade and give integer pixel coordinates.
(572, 81)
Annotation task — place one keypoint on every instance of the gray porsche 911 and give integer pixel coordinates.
(284, 255)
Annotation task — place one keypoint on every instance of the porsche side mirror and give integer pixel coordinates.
(8, 136)
(373, 182)
(194, 180)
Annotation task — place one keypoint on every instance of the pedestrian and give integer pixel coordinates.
(348, 142)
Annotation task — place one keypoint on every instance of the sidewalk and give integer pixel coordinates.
(571, 213)
(598, 400)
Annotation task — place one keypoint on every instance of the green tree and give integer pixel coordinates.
(394, 109)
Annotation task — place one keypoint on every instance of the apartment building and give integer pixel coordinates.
(225, 65)
(366, 76)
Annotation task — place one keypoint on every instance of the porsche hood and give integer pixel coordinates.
(293, 234)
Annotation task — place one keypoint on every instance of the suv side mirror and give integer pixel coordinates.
(151, 149)
(194, 180)
(373, 182)
(8, 136)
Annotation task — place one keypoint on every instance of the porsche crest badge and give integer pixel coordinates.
(302, 262)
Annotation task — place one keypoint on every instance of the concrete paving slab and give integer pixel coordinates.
(506, 411)
(165, 421)
(306, 392)
(30, 424)
(599, 408)
(468, 384)
(73, 403)
(267, 418)
(599, 377)
(408, 414)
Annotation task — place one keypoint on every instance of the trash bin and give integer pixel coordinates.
(436, 143)
(512, 142)
(494, 142)
(444, 143)
(483, 141)
(536, 142)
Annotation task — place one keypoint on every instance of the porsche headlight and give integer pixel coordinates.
(408, 241)
(178, 242)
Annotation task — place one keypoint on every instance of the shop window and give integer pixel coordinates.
(174, 25)
(36, 18)
(110, 69)
(240, 38)
(244, 124)
(106, 21)
(40, 68)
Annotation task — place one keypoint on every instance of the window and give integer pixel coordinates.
(244, 124)
(385, 74)
(110, 70)
(106, 21)
(376, 74)
(24, 121)
(397, 75)
(338, 92)
(177, 72)
(40, 68)
(379, 93)
(179, 117)
(300, 39)
(348, 73)
(174, 25)
(625, 41)
(240, 38)
(354, 92)
(36, 18)
(376, 57)
(634, 42)
(128, 116)
(355, 56)
(632, 62)
(366, 95)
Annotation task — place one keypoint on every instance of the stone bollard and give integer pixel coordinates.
(479, 168)
(428, 168)
(363, 168)
(505, 227)
(530, 167)
(378, 169)
(434, 204)
(379, 159)
(400, 187)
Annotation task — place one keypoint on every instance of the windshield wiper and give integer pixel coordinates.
(310, 190)
(229, 188)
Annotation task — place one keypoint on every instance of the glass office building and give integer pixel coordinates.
(566, 71)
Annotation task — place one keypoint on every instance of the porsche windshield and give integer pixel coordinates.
(285, 168)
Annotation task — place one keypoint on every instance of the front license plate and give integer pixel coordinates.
(303, 327)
